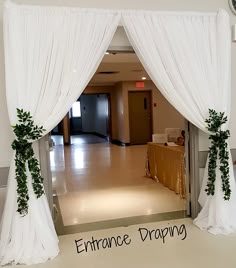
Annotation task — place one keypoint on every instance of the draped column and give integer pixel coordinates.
(187, 55)
(51, 53)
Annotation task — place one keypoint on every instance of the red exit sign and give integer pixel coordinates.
(139, 84)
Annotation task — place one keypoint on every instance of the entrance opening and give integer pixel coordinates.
(109, 180)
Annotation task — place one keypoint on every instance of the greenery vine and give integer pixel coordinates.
(26, 132)
(217, 149)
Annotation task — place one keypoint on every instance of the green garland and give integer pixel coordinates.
(218, 148)
(26, 132)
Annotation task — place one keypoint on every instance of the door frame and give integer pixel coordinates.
(194, 170)
(192, 161)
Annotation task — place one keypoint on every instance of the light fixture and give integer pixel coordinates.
(107, 53)
(144, 78)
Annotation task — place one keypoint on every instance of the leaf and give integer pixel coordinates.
(24, 131)
(218, 140)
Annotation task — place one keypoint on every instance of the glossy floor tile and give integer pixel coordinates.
(185, 247)
(98, 182)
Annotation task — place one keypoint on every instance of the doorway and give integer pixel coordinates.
(140, 117)
(90, 115)
(99, 185)
(95, 114)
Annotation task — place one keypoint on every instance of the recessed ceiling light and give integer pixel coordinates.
(144, 78)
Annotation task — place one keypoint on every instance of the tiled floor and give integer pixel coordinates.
(189, 247)
(99, 182)
(183, 247)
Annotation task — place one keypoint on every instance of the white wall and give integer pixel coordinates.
(199, 5)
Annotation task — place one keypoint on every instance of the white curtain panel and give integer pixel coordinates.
(187, 55)
(51, 53)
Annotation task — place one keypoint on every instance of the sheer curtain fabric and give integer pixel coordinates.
(187, 55)
(51, 53)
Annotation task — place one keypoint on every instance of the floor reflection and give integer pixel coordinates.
(102, 181)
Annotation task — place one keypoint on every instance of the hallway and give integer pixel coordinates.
(102, 182)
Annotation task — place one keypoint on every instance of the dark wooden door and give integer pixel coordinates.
(140, 117)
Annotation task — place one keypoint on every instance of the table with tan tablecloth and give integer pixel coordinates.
(166, 164)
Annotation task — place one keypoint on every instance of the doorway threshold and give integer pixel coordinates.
(113, 223)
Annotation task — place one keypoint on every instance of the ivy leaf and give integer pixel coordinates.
(25, 131)
(219, 147)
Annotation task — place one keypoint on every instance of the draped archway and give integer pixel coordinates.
(51, 54)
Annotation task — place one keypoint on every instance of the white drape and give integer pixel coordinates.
(187, 55)
(50, 56)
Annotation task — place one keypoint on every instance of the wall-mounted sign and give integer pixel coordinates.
(140, 84)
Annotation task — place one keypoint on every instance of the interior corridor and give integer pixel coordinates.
(95, 181)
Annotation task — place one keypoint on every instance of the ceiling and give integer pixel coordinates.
(116, 67)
